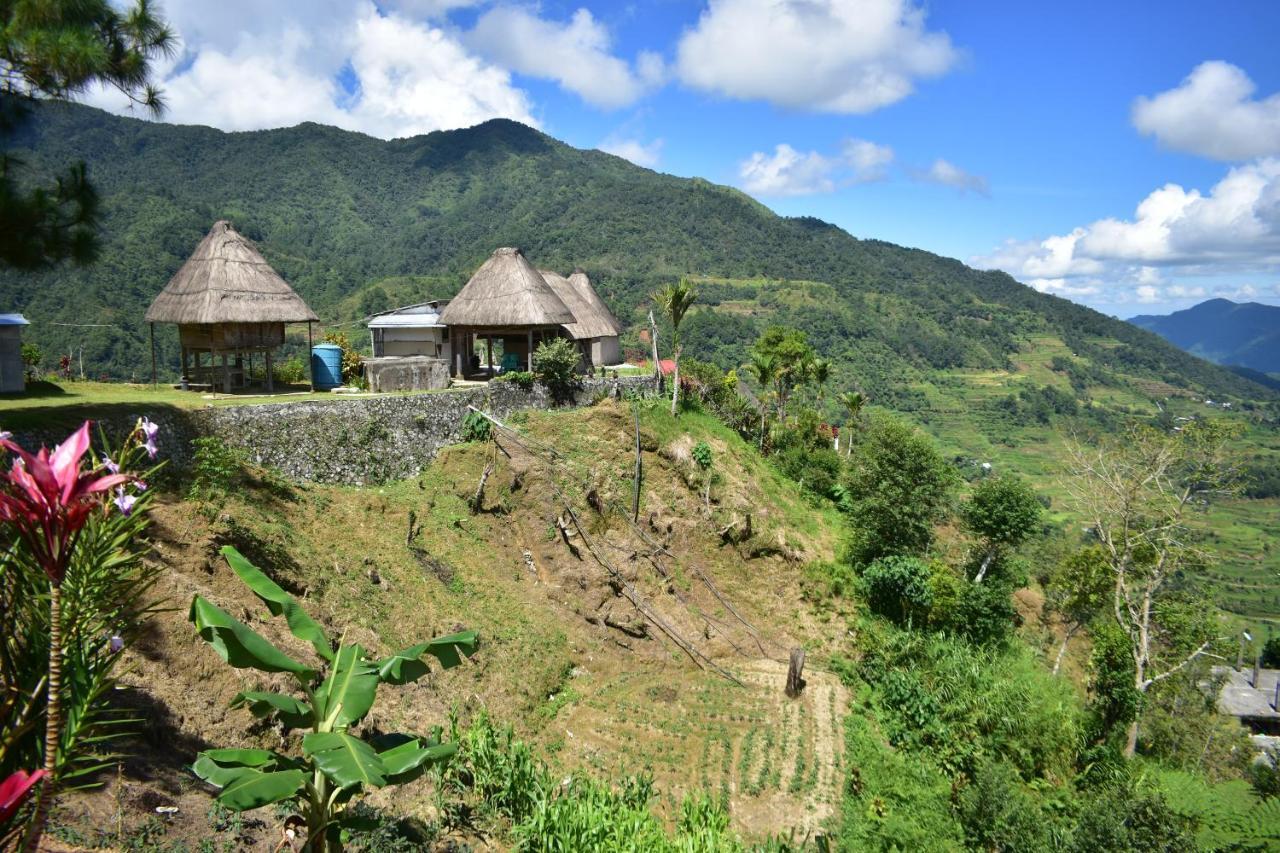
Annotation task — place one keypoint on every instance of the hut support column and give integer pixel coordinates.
(310, 368)
(488, 343)
(153, 354)
(529, 353)
(271, 379)
(226, 375)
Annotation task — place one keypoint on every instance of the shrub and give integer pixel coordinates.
(998, 814)
(216, 469)
(984, 613)
(701, 454)
(291, 371)
(32, 356)
(352, 361)
(335, 767)
(522, 379)
(899, 588)
(476, 427)
(555, 364)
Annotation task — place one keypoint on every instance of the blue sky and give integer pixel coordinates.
(1018, 135)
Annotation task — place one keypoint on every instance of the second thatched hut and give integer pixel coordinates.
(227, 302)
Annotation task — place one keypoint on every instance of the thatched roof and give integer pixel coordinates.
(592, 317)
(507, 291)
(603, 318)
(226, 281)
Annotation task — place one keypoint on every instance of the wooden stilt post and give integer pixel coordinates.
(488, 342)
(154, 380)
(310, 370)
(226, 375)
(271, 379)
(529, 354)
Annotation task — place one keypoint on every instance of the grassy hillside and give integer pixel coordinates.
(358, 224)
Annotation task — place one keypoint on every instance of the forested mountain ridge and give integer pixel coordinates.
(1236, 333)
(357, 224)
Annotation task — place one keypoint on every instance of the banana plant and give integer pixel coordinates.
(332, 696)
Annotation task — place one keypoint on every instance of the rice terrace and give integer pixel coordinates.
(483, 425)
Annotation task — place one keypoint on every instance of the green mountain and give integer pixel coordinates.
(1244, 334)
(357, 224)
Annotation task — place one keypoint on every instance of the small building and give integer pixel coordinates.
(410, 349)
(1252, 696)
(595, 328)
(414, 330)
(13, 373)
(507, 300)
(228, 303)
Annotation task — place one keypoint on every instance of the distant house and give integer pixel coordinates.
(13, 373)
(512, 306)
(411, 349)
(414, 330)
(1251, 696)
(595, 328)
(227, 302)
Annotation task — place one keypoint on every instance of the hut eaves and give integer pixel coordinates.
(589, 322)
(226, 280)
(602, 318)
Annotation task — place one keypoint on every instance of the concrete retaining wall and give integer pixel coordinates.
(346, 440)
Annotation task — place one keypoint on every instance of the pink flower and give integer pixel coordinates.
(15, 789)
(47, 498)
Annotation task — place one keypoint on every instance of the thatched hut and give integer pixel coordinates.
(228, 302)
(509, 300)
(597, 327)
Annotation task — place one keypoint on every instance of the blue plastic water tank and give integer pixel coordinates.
(326, 366)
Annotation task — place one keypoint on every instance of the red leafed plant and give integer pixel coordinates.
(15, 789)
(46, 498)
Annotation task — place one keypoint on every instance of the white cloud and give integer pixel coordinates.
(1212, 114)
(1233, 230)
(1237, 224)
(842, 56)
(249, 65)
(574, 54)
(1147, 294)
(869, 161)
(787, 172)
(644, 154)
(949, 175)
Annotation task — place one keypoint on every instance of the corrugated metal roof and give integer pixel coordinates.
(13, 320)
(1239, 698)
(420, 316)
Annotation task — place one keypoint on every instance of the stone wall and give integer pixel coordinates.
(347, 440)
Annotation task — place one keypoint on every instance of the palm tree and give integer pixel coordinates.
(675, 300)
(764, 370)
(820, 371)
(853, 401)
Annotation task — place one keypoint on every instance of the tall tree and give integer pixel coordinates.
(901, 487)
(1142, 496)
(793, 357)
(1002, 512)
(1078, 591)
(762, 369)
(57, 49)
(675, 300)
(853, 401)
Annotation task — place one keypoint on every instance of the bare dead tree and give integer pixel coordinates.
(1140, 496)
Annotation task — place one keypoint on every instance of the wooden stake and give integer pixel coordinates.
(635, 495)
(153, 354)
(795, 680)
